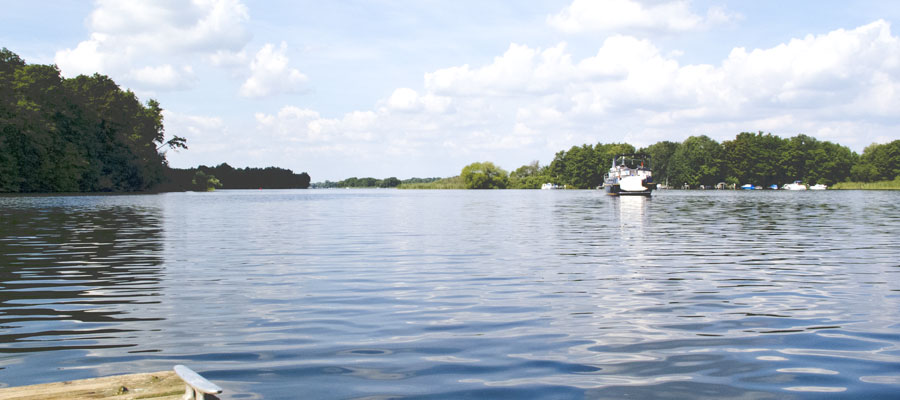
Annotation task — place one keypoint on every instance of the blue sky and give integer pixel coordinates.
(422, 88)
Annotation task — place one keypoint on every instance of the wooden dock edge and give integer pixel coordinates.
(163, 385)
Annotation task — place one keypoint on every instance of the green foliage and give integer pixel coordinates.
(205, 183)
(355, 182)
(880, 185)
(661, 158)
(529, 176)
(446, 183)
(698, 161)
(754, 158)
(236, 178)
(484, 175)
(584, 166)
(81, 134)
(879, 162)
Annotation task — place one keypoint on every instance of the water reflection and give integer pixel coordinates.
(450, 294)
(76, 278)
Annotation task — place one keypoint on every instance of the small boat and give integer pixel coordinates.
(629, 175)
(797, 185)
(550, 186)
(748, 187)
(773, 187)
(818, 186)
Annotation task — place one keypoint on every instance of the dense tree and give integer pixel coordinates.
(879, 162)
(79, 134)
(660, 159)
(698, 161)
(529, 176)
(205, 183)
(584, 166)
(753, 158)
(484, 175)
(238, 178)
(389, 182)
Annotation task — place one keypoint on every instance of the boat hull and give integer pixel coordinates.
(616, 190)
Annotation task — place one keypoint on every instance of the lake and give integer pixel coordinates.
(336, 294)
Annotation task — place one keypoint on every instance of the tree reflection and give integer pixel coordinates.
(71, 277)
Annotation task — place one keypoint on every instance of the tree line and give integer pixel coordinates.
(369, 182)
(755, 158)
(83, 134)
(224, 176)
(86, 134)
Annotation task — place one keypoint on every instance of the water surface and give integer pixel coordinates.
(338, 294)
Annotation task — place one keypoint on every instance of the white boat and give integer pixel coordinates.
(818, 186)
(550, 186)
(797, 185)
(629, 175)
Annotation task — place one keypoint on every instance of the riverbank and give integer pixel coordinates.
(881, 185)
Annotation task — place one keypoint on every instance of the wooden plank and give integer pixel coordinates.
(164, 385)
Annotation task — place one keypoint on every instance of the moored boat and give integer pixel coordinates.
(797, 185)
(550, 186)
(630, 175)
(818, 186)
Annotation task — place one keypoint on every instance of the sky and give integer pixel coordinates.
(421, 88)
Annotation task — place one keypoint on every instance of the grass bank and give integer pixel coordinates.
(446, 183)
(881, 185)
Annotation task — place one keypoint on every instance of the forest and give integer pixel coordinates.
(86, 134)
(224, 176)
(699, 161)
(83, 134)
(369, 182)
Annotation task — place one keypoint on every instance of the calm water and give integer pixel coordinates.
(337, 294)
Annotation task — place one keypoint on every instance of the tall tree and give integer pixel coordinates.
(661, 158)
(79, 134)
(698, 161)
(484, 175)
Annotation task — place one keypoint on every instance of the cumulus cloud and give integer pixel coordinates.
(619, 15)
(520, 70)
(208, 138)
(271, 74)
(531, 102)
(129, 39)
(163, 76)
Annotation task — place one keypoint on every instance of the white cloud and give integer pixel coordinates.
(618, 15)
(208, 139)
(519, 71)
(531, 102)
(404, 99)
(271, 74)
(136, 40)
(163, 76)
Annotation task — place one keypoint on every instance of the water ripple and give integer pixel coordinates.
(515, 294)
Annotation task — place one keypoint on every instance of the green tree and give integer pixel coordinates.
(579, 167)
(698, 161)
(529, 176)
(205, 183)
(79, 134)
(753, 158)
(879, 162)
(660, 157)
(389, 182)
(484, 175)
